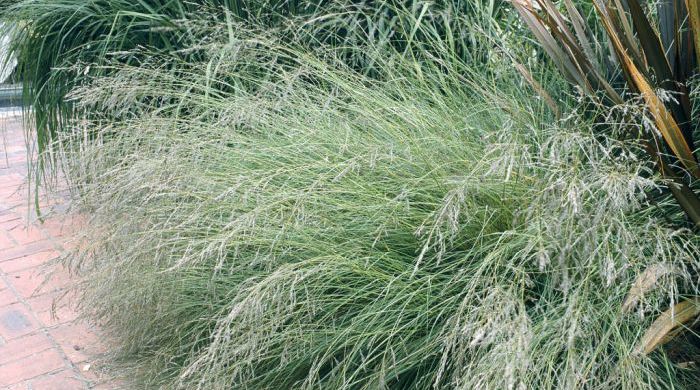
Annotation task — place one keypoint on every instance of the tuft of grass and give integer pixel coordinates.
(49, 37)
(313, 227)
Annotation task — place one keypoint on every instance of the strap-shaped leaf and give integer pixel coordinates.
(561, 45)
(538, 88)
(616, 14)
(676, 38)
(664, 328)
(651, 43)
(580, 27)
(548, 42)
(694, 16)
(684, 195)
(645, 282)
(665, 10)
(684, 43)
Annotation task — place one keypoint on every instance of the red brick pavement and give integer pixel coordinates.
(43, 346)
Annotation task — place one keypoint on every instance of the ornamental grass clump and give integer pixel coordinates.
(48, 37)
(316, 228)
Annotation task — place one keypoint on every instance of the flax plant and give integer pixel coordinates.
(643, 64)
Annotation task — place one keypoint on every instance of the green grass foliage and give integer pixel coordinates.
(311, 227)
(49, 37)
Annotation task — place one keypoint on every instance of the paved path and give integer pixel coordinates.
(42, 347)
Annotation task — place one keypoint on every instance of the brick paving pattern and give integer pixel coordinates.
(43, 346)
